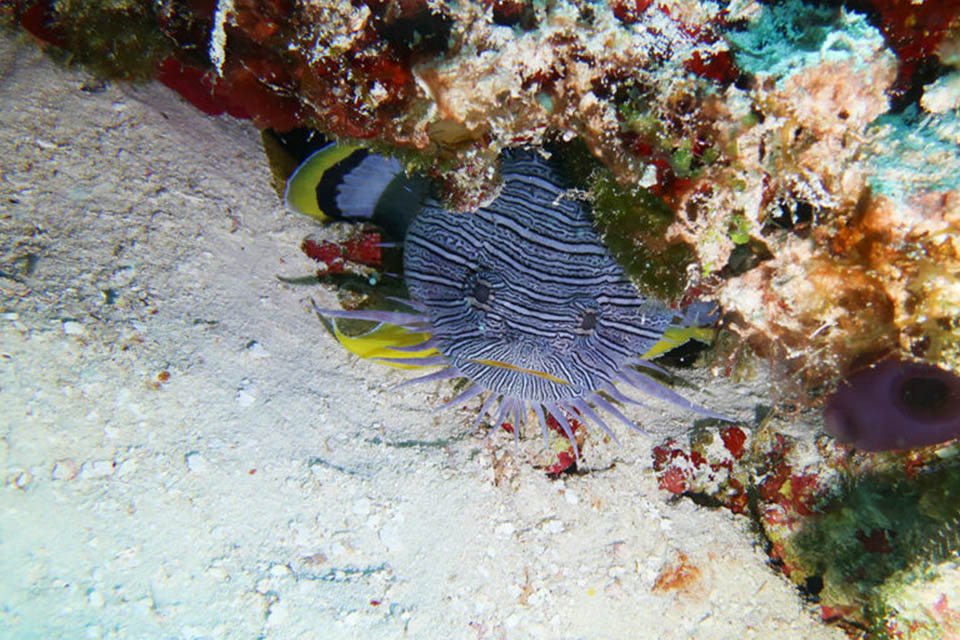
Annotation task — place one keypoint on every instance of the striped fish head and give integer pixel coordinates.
(523, 297)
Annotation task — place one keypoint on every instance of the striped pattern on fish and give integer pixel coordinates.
(522, 298)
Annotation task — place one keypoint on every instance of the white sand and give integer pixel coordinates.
(273, 487)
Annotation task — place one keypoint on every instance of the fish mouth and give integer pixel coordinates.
(507, 365)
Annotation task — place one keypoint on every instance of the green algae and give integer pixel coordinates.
(114, 39)
(876, 531)
(790, 36)
(633, 223)
(739, 229)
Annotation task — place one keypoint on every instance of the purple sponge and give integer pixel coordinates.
(895, 405)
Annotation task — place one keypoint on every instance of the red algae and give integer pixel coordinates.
(363, 249)
(914, 31)
(197, 87)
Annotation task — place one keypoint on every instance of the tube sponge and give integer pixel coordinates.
(895, 404)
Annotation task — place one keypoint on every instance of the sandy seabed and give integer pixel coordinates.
(185, 453)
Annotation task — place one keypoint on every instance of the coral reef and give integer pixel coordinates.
(796, 169)
(842, 265)
(871, 539)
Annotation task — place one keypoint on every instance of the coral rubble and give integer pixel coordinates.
(872, 540)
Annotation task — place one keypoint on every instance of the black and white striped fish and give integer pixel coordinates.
(522, 298)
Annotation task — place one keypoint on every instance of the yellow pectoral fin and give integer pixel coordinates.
(676, 336)
(301, 193)
(376, 343)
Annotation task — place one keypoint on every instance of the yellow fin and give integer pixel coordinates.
(533, 372)
(676, 336)
(301, 195)
(376, 343)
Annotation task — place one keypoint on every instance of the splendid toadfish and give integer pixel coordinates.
(521, 296)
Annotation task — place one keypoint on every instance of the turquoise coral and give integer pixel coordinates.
(915, 153)
(793, 35)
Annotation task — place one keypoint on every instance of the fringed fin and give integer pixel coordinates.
(587, 411)
(484, 408)
(641, 361)
(472, 392)
(430, 361)
(384, 341)
(428, 344)
(502, 411)
(601, 403)
(561, 418)
(443, 374)
(616, 394)
(543, 424)
(652, 387)
(396, 318)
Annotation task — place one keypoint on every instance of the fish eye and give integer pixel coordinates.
(588, 320)
(479, 289)
(481, 292)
